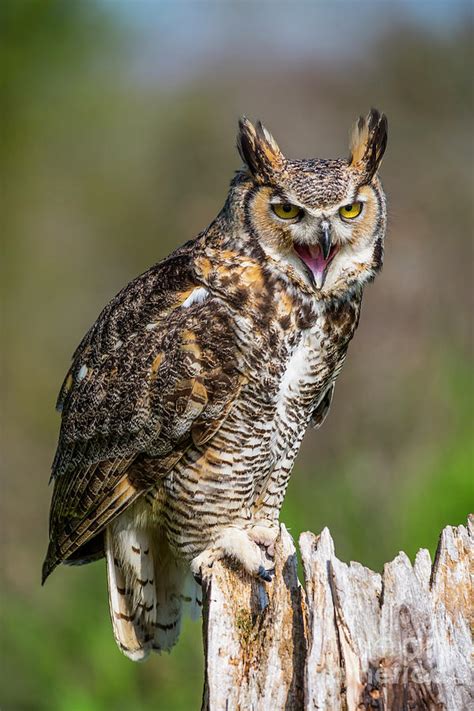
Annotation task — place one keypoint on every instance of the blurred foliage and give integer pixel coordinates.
(106, 170)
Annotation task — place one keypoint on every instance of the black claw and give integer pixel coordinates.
(265, 574)
(198, 578)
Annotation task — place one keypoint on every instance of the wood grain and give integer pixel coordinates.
(350, 639)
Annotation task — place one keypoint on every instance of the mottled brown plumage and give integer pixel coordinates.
(187, 401)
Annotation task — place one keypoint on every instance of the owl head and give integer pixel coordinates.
(322, 221)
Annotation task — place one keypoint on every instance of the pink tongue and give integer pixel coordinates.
(313, 257)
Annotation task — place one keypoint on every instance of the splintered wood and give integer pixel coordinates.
(351, 639)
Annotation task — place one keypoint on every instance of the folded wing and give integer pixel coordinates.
(158, 371)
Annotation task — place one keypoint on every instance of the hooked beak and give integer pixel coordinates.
(325, 241)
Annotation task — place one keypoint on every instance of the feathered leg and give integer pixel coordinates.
(239, 545)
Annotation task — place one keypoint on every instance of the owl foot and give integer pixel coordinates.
(234, 543)
(265, 536)
(201, 565)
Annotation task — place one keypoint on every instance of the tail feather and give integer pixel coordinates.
(129, 603)
(148, 588)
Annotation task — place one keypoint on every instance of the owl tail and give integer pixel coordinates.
(147, 591)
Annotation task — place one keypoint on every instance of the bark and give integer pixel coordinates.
(350, 639)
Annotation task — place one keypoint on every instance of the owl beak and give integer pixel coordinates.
(325, 241)
(318, 256)
(325, 245)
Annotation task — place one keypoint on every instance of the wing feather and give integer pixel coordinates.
(148, 380)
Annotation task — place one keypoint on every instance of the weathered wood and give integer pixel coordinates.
(398, 641)
(353, 639)
(254, 636)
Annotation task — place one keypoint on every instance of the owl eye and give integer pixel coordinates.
(286, 211)
(348, 212)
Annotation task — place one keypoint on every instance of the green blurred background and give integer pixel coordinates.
(119, 123)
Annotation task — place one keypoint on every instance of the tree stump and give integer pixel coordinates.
(350, 639)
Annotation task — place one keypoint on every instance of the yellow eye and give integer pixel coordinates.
(351, 211)
(286, 211)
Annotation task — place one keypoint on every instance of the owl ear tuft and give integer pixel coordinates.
(368, 143)
(258, 149)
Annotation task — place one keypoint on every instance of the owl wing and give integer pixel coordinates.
(157, 372)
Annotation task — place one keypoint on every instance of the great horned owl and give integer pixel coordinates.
(187, 401)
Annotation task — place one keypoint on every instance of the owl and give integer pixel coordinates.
(186, 402)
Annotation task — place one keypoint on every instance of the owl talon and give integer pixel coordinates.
(266, 575)
(201, 565)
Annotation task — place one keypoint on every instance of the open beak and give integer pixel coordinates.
(318, 257)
